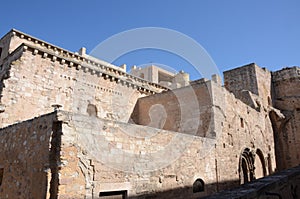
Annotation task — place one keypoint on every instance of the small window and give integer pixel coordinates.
(0, 52)
(113, 194)
(1, 175)
(242, 122)
(92, 110)
(198, 186)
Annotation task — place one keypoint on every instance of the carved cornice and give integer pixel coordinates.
(65, 57)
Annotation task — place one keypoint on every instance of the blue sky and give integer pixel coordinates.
(233, 32)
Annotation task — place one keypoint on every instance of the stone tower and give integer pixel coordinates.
(286, 96)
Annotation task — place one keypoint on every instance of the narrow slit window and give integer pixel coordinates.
(1, 175)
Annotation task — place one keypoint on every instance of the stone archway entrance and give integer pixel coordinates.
(252, 165)
(259, 164)
(246, 167)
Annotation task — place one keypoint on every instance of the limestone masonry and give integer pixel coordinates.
(73, 126)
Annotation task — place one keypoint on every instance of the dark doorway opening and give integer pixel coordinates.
(122, 194)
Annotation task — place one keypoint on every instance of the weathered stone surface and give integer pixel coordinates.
(25, 158)
(32, 81)
(287, 128)
(185, 110)
(114, 132)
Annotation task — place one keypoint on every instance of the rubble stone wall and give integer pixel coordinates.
(34, 83)
(243, 128)
(112, 153)
(25, 158)
(101, 155)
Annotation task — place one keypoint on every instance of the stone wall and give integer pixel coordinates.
(36, 83)
(4, 45)
(242, 78)
(244, 130)
(185, 110)
(25, 158)
(249, 78)
(235, 125)
(121, 156)
(33, 79)
(89, 155)
(101, 155)
(203, 133)
(284, 184)
(286, 85)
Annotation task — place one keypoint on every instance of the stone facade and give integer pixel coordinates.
(286, 96)
(36, 75)
(113, 133)
(25, 158)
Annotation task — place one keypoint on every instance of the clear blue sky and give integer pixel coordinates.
(233, 32)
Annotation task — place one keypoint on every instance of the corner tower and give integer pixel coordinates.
(286, 95)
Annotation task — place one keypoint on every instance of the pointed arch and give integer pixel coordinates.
(260, 165)
(246, 166)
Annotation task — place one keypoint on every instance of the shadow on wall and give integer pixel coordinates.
(285, 184)
(198, 190)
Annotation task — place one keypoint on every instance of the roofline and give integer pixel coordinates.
(55, 47)
(92, 67)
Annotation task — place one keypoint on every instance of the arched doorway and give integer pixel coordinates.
(198, 185)
(246, 166)
(259, 164)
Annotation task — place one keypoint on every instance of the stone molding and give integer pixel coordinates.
(80, 63)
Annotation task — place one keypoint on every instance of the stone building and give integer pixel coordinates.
(73, 126)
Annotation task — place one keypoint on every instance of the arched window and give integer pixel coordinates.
(198, 186)
(92, 110)
(260, 166)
